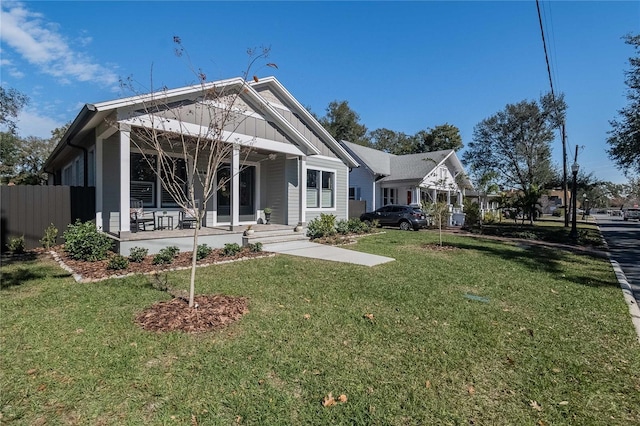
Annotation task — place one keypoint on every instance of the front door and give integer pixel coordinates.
(246, 194)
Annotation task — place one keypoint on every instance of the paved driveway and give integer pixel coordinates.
(623, 239)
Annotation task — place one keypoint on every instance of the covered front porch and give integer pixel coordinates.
(250, 180)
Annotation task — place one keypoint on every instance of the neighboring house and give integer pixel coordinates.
(486, 202)
(294, 166)
(384, 178)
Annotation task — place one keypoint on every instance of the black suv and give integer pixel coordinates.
(406, 217)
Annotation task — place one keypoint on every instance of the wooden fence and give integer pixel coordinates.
(28, 210)
(356, 208)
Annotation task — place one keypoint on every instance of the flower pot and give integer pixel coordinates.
(248, 232)
(267, 217)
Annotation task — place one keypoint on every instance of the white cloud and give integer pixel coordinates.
(41, 44)
(30, 123)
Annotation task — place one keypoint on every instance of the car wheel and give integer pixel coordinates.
(405, 226)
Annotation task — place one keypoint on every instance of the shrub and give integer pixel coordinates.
(342, 227)
(137, 254)
(166, 255)
(471, 214)
(82, 241)
(203, 251)
(231, 249)
(50, 236)
(255, 247)
(356, 226)
(492, 217)
(16, 245)
(118, 262)
(323, 226)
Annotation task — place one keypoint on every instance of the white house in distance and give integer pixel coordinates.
(295, 167)
(384, 178)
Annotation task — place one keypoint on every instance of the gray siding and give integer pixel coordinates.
(273, 191)
(293, 191)
(342, 187)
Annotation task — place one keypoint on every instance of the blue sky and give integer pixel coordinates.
(405, 66)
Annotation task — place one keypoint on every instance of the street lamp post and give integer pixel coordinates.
(574, 231)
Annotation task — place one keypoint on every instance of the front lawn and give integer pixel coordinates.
(485, 332)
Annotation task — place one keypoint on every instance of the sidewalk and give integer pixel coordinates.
(325, 252)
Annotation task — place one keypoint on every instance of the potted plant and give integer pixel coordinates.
(267, 215)
(249, 230)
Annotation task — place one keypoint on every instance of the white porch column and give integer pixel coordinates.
(373, 199)
(434, 195)
(125, 178)
(416, 196)
(460, 200)
(99, 183)
(235, 186)
(302, 171)
(448, 197)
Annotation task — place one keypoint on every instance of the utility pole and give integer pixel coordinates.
(564, 175)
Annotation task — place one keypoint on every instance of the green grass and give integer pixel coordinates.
(555, 331)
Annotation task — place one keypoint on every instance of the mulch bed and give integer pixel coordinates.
(438, 247)
(92, 271)
(209, 313)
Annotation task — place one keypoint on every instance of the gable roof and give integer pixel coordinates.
(93, 115)
(409, 167)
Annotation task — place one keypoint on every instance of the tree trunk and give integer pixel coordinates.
(194, 259)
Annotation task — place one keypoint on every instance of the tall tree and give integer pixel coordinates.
(9, 149)
(444, 136)
(392, 142)
(624, 139)
(343, 123)
(11, 102)
(516, 144)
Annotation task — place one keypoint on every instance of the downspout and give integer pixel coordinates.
(73, 130)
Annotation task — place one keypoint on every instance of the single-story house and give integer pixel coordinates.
(384, 178)
(282, 158)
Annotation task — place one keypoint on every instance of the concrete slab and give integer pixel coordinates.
(325, 252)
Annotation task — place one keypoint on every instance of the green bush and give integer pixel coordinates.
(356, 226)
(118, 262)
(16, 245)
(491, 217)
(342, 227)
(203, 251)
(166, 255)
(323, 226)
(50, 236)
(255, 247)
(231, 249)
(471, 214)
(82, 241)
(137, 254)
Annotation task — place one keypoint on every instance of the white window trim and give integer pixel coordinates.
(335, 189)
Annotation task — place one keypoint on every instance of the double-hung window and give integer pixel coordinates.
(389, 196)
(320, 188)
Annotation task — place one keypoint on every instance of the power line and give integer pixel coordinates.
(562, 128)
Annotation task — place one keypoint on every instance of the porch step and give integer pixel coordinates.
(279, 236)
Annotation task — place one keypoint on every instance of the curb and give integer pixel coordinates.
(627, 292)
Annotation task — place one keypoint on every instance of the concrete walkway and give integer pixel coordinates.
(325, 252)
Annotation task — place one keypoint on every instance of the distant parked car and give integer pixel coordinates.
(631, 214)
(405, 217)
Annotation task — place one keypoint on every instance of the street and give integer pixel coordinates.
(623, 239)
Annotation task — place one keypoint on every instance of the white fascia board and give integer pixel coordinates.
(165, 94)
(310, 119)
(195, 130)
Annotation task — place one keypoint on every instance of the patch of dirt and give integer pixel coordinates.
(210, 312)
(438, 247)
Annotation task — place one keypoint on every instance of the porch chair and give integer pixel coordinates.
(139, 216)
(189, 216)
